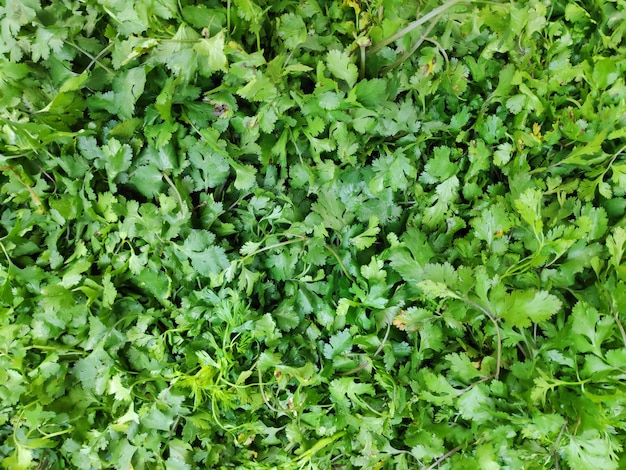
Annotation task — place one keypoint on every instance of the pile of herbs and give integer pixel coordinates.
(312, 234)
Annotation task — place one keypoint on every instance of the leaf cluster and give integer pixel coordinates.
(318, 234)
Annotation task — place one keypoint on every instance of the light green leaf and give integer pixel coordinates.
(211, 57)
(615, 244)
(529, 206)
(339, 343)
(245, 176)
(591, 449)
(340, 65)
(521, 308)
(437, 290)
(292, 30)
(368, 237)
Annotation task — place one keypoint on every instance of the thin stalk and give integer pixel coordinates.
(6, 254)
(183, 206)
(228, 17)
(620, 326)
(408, 54)
(415, 24)
(94, 60)
(33, 195)
(341, 265)
(555, 448)
(494, 320)
(364, 364)
(265, 400)
(445, 456)
(275, 245)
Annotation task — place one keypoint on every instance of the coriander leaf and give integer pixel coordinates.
(591, 449)
(292, 30)
(492, 223)
(211, 57)
(476, 404)
(520, 308)
(341, 66)
(339, 343)
(368, 237)
(529, 206)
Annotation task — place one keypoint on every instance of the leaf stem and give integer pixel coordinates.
(341, 265)
(445, 456)
(275, 245)
(415, 24)
(183, 206)
(33, 195)
(94, 60)
(265, 400)
(620, 326)
(494, 320)
(364, 364)
(408, 54)
(228, 17)
(555, 448)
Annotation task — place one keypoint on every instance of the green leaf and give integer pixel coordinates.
(292, 30)
(205, 257)
(127, 88)
(476, 404)
(503, 155)
(209, 168)
(368, 237)
(339, 343)
(148, 180)
(437, 290)
(413, 319)
(245, 176)
(591, 449)
(211, 56)
(371, 93)
(439, 167)
(492, 223)
(605, 72)
(340, 65)
(615, 244)
(521, 308)
(93, 371)
(74, 83)
(259, 88)
(20, 459)
(118, 157)
(109, 292)
(492, 130)
(591, 330)
(461, 367)
(529, 206)
(155, 282)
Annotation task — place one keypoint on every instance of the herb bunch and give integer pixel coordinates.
(318, 234)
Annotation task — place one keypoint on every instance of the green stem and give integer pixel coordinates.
(445, 456)
(415, 24)
(228, 16)
(341, 265)
(183, 206)
(408, 54)
(275, 245)
(494, 320)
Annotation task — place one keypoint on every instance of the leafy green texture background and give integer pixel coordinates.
(318, 234)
